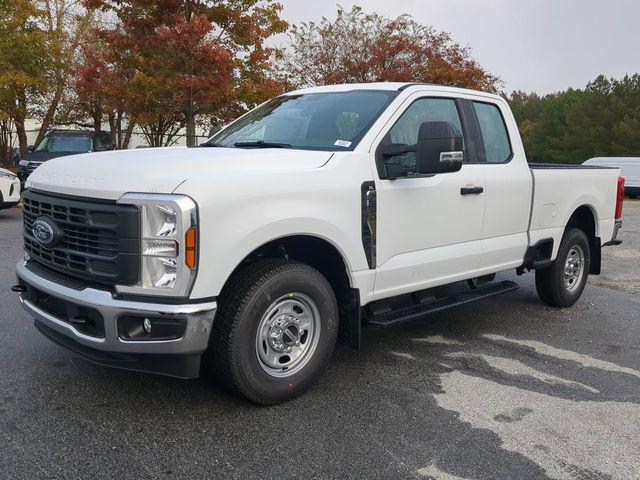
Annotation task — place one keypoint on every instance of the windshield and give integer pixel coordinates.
(314, 121)
(65, 143)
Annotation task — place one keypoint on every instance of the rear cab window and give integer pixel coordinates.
(493, 129)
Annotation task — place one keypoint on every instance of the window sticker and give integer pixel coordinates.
(342, 143)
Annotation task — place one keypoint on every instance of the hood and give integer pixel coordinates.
(44, 156)
(108, 175)
(4, 170)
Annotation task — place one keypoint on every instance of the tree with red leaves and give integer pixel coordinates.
(167, 63)
(363, 47)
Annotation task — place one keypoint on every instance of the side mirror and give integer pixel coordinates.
(31, 148)
(439, 148)
(213, 130)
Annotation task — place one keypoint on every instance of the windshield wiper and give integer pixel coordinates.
(262, 144)
(209, 144)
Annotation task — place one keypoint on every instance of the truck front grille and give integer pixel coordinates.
(99, 242)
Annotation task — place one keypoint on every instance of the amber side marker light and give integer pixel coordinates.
(190, 241)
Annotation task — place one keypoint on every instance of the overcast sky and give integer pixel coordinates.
(533, 45)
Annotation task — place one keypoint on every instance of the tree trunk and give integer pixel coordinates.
(119, 127)
(51, 111)
(5, 149)
(97, 118)
(112, 128)
(22, 137)
(190, 130)
(19, 119)
(127, 135)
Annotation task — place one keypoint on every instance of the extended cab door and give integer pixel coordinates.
(429, 228)
(508, 185)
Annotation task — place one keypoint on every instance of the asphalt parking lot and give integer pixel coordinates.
(506, 388)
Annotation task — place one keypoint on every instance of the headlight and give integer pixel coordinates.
(23, 163)
(8, 175)
(168, 250)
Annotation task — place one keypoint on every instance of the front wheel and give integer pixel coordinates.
(275, 330)
(562, 283)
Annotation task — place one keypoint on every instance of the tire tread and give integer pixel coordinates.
(234, 298)
(549, 284)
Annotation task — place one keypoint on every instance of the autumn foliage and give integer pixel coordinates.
(166, 63)
(165, 67)
(367, 47)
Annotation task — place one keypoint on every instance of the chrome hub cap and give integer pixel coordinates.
(574, 268)
(288, 335)
(284, 333)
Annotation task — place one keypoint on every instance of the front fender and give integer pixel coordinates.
(217, 265)
(238, 214)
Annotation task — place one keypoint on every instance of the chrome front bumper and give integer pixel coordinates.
(198, 316)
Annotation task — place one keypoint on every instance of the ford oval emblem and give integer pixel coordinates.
(44, 231)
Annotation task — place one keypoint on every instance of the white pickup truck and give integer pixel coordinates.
(319, 212)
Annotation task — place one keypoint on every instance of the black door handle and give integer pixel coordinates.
(471, 190)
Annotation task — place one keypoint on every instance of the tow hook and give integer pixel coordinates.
(19, 288)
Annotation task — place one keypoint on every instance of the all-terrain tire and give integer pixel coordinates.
(233, 354)
(553, 284)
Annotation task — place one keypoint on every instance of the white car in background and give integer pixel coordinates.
(629, 170)
(9, 189)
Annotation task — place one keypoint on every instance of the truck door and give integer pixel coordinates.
(429, 229)
(508, 186)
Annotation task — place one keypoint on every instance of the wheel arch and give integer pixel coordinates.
(329, 260)
(585, 218)
(314, 250)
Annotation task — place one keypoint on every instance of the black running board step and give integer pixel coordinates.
(416, 311)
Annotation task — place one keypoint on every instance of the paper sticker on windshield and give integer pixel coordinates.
(342, 143)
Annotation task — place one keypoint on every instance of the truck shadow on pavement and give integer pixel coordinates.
(511, 407)
(473, 393)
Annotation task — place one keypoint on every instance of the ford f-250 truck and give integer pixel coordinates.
(316, 213)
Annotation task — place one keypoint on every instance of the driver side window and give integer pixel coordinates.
(405, 131)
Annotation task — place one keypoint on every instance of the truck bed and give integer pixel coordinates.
(566, 166)
(559, 190)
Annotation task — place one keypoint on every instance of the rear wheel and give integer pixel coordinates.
(562, 283)
(274, 331)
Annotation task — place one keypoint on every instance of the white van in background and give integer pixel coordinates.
(629, 168)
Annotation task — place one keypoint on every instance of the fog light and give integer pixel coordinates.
(139, 328)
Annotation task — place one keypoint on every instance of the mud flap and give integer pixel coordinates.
(350, 320)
